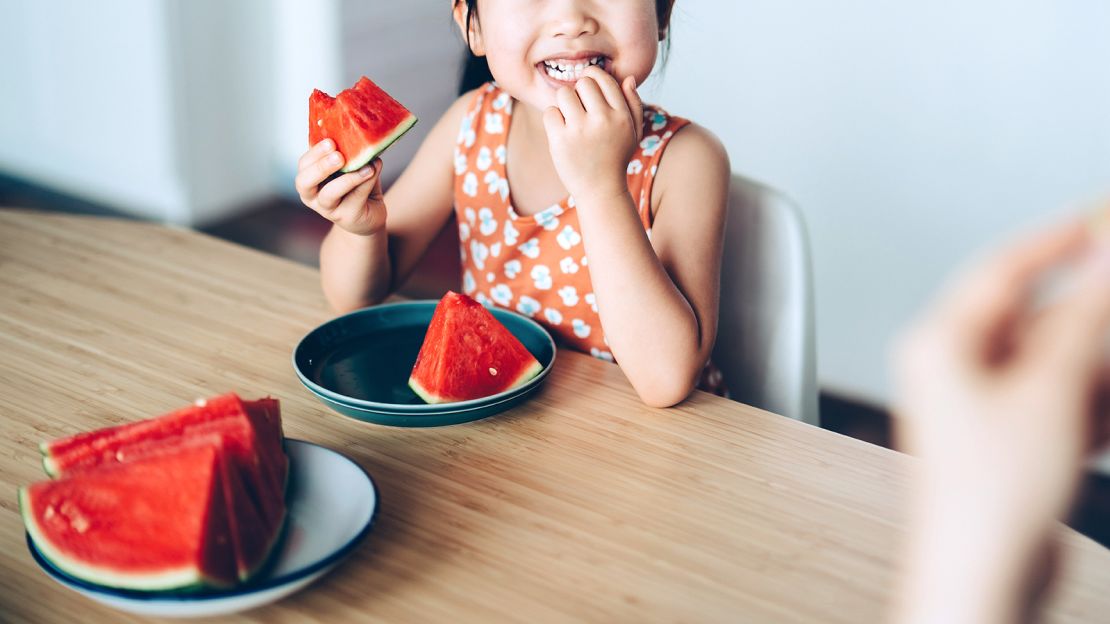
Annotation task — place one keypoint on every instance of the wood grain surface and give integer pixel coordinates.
(580, 505)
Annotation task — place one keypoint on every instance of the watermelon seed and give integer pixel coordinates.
(49, 512)
(493, 371)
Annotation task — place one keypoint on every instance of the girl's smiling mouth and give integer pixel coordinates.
(567, 70)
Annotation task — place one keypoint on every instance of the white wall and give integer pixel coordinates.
(910, 134)
(161, 108)
(308, 54)
(87, 100)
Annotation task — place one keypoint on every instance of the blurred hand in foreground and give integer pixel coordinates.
(1001, 395)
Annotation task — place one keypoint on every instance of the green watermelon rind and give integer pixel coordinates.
(428, 397)
(49, 466)
(184, 580)
(370, 152)
(424, 394)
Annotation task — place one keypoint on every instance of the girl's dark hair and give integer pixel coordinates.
(476, 70)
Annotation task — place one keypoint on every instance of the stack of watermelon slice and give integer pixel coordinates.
(191, 499)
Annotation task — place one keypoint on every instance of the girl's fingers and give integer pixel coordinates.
(591, 96)
(570, 105)
(315, 152)
(310, 176)
(553, 119)
(608, 86)
(354, 203)
(335, 192)
(635, 106)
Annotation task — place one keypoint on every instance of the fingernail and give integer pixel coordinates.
(327, 144)
(334, 158)
(366, 171)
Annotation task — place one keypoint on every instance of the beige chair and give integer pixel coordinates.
(766, 343)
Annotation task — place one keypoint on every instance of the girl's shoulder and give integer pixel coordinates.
(685, 140)
(696, 160)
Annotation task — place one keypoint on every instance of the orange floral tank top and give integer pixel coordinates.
(536, 265)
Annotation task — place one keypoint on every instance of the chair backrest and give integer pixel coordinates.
(766, 342)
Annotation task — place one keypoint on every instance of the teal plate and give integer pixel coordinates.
(359, 365)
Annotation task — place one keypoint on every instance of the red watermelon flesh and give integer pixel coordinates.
(468, 354)
(252, 429)
(363, 121)
(64, 453)
(122, 526)
(253, 534)
(258, 488)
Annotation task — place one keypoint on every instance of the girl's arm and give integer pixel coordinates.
(370, 250)
(657, 298)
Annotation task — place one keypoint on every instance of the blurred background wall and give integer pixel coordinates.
(909, 133)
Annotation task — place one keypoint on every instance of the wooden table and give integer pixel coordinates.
(581, 505)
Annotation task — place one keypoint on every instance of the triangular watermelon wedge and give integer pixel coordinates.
(249, 434)
(157, 523)
(254, 523)
(362, 120)
(257, 445)
(468, 354)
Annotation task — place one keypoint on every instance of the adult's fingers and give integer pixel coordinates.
(315, 152)
(1072, 335)
(335, 191)
(635, 105)
(590, 95)
(570, 105)
(988, 299)
(310, 176)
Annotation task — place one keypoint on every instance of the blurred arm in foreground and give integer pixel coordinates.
(1001, 396)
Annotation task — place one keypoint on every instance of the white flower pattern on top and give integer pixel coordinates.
(541, 277)
(470, 184)
(568, 237)
(527, 305)
(485, 159)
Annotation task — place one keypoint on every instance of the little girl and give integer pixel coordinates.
(567, 210)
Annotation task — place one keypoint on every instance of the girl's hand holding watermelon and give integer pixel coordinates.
(352, 201)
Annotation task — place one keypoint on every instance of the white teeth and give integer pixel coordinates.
(568, 72)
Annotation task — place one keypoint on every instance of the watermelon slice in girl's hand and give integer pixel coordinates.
(362, 120)
(468, 354)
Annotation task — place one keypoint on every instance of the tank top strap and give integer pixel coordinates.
(485, 120)
(659, 128)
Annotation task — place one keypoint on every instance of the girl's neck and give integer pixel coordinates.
(527, 121)
(532, 177)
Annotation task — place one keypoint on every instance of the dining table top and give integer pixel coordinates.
(581, 504)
